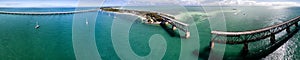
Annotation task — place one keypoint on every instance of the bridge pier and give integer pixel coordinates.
(245, 48)
(187, 34)
(296, 24)
(173, 27)
(211, 44)
(272, 38)
(288, 30)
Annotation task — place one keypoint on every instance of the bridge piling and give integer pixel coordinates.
(173, 27)
(296, 24)
(272, 38)
(211, 44)
(245, 48)
(187, 34)
(288, 30)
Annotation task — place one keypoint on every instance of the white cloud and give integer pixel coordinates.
(211, 2)
(251, 3)
(164, 2)
(278, 4)
(35, 4)
(83, 3)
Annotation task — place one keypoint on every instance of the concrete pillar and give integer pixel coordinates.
(173, 27)
(288, 30)
(211, 44)
(245, 48)
(166, 23)
(296, 24)
(187, 34)
(272, 38)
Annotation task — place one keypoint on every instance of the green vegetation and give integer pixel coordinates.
(109, 9)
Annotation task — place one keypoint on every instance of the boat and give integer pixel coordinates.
(86, 22)
(37, 26)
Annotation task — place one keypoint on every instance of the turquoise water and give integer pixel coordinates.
(53, 40)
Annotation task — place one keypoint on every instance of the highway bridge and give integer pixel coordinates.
(245, 37)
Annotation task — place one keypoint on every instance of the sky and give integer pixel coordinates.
(99, 3)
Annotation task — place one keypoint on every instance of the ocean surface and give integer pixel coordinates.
(121, 36)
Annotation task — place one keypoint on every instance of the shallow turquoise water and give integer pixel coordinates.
(53, 41)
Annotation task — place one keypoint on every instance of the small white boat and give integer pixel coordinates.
(37, 25)
(86, 22)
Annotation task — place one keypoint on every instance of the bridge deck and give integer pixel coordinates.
(180, 25)
(255, 31)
